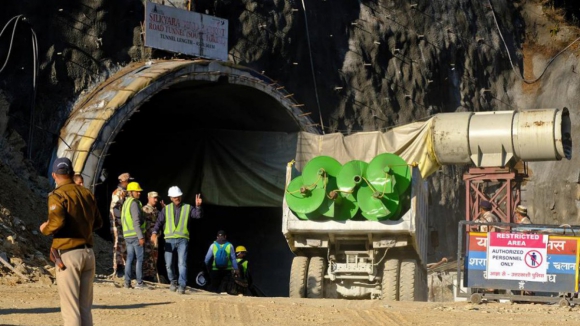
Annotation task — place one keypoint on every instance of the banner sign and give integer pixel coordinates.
(517, 256)
(186, 32)
(560, 259)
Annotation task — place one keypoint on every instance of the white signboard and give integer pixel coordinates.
(186, 32)
(517, 256)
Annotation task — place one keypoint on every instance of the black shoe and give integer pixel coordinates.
(173, 287)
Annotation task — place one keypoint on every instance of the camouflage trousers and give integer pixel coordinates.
(150, 260)
(119, 247)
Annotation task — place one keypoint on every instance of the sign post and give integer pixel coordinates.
(186, 32)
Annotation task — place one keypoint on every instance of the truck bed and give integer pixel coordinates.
(413, 223)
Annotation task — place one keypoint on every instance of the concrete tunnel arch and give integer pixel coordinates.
(93, 135)
(97, 119)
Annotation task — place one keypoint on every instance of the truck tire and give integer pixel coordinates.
(411, 283)
(315, 278)
(390, 281)
(298, 277)
(424, 290)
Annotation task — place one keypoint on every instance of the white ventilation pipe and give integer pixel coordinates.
(489, 139)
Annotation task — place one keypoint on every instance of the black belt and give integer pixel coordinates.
(83, 246)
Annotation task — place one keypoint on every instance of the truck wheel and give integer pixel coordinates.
(390, 282)
(298, 277)
(425, 289)
(315, 281)
(410, 281)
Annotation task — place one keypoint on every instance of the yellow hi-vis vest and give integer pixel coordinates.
(179, 230)
(244, 266)
(228, 250)
(127, 220)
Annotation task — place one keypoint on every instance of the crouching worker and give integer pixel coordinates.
(244, 280)
(224, 262)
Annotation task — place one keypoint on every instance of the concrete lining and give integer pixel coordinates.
(97, 119)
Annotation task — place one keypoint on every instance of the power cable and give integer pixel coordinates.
(312, 67)
(35, 69)
(16, 18)
(510, 58)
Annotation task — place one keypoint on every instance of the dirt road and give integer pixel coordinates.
(35, 304)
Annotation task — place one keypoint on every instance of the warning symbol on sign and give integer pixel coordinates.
(533, 259)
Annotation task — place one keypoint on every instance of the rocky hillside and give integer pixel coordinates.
(375, 64)
(22, 210)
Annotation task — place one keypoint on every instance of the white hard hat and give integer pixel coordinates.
(174, 192)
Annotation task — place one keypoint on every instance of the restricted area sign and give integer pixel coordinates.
(517, 256)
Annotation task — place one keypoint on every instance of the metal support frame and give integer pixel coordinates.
(505, 198)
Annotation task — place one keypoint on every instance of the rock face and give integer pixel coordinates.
(356, 65)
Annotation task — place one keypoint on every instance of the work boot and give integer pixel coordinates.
(141, 286)
(181, 290)
(173, 287)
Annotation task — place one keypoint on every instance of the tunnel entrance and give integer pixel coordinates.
(208, 128)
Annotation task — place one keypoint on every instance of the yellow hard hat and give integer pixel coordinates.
(134, 186)
(240, 249)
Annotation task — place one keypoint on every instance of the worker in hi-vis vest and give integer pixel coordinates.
(133, 223)
(173, 219)
(224, 262)
(244, 283)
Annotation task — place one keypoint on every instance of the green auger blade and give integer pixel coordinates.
(351, 175)
(302, 198)
(342, 207)
(325, 169)
(374, 207)
(313, 170)
(316, 215)
(381, 169)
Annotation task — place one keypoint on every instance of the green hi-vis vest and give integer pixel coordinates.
(228, 250)
(179, 230)
(127, 220)
(244, 265)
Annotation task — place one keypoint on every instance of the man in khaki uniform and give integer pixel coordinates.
(486, 216)
(72, 218)
(522, 215)
(119, 246)
(150, 212)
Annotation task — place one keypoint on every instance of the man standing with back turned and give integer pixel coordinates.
(72, 218)
(224, 262)
(174, 218)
